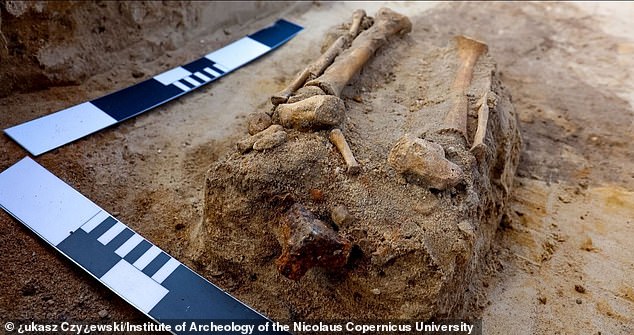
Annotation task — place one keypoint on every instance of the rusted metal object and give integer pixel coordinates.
(308, 242)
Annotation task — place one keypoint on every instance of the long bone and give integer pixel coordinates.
(483, 118)
(426, 160)
(386, 25)
(469, 50)
(316, 68)
(336, 137)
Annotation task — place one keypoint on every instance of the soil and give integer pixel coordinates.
(418, 247)
(562, 261)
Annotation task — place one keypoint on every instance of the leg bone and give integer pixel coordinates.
(469, 50)
(387, 24)
(316, 112)
(317, 67)
(478, 146)
(337, 138)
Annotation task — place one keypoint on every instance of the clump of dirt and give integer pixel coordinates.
(417, 251)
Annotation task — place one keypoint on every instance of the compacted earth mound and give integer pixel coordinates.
(400, 230)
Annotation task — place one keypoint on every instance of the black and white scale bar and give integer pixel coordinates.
(138, 271)
(54, 130)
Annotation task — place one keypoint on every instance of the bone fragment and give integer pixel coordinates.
(283, 95)
(258, 121)
(357, 18)
(266, 139)
(337, 138)
(386, 25)
(308, 242)
(469, 50)
(425, 160)
(316, 68)
(305, 93)
(270, 141)
(478, 146)
(316, 112)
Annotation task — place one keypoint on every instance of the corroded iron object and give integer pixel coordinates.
(308, 242)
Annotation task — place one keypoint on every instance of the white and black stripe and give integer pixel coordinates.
(135, 269)
(52, 131)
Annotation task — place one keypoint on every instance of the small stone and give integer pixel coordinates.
(179, 226)
(103, 313)
(341, 216)
(542, 300)
(317, 195)
(580, 289)
(376, 291)
(50, 302)
(216, 273)
(138, 74)
(578, 301)
(258, 121)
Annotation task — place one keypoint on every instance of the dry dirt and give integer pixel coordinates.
(417, 253)
(563, 259)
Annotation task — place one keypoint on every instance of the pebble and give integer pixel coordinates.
(341, 216)
(376, 291)
(580, 289)
(103, 313)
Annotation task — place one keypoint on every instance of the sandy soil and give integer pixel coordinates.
(563, 261)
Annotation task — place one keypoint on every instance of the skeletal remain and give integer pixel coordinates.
(258, 121)
(283, 95)
(337, 138)
(386, 25)
(308, 242)
(305, 93)
(316, 112)
(357, 18)
(266, 139)
(469, 50)
(425, 160)
(478, 146)
(316, 68)
(270, 141)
